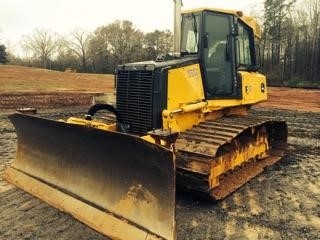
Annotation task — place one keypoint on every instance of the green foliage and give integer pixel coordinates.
(3, 54)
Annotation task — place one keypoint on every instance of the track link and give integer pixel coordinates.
(218, 156)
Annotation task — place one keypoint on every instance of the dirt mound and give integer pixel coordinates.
(25, 79)
(41, 88)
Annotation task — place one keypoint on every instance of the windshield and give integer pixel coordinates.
(190, 34)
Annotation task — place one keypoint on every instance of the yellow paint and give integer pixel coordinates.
(251, 88)
(184, 86)
(186, 106)
(251, 92)
(103, 222)
(139, 199)
(182, 121)
(94, 124)
(238, 156)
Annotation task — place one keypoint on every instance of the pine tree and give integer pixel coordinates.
(3, 54)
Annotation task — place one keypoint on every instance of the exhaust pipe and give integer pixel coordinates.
(177, 26)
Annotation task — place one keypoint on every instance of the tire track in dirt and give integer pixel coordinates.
(281, 203)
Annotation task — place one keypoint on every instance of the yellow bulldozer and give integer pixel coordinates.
(181, 121)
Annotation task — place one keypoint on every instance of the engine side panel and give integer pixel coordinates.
(184, 86)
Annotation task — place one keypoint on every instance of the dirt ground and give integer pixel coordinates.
(293, 99)
(36, 87)
(281, 203)
(26, 79)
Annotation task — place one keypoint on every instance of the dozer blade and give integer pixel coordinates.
(120, 185)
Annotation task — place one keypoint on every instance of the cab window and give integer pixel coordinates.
(244, 52)
(190, 34)
(217, 56)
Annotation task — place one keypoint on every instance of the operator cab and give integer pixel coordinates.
(224, 44)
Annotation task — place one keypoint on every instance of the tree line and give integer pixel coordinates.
(98, 52)
(290, 45)
(291, 42)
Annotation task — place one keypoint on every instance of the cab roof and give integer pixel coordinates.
(248, 20)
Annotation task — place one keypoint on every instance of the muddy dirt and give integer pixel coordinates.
(281, 203)
(307, 100)
(45, 99)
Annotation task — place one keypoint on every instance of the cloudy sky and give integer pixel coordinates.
(21, 17)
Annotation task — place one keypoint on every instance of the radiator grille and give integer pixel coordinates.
(134, 99)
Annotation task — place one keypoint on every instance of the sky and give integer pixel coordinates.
(22, 17)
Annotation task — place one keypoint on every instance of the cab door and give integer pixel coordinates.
(218, 56)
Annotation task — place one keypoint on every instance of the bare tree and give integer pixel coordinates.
(305, 49)
(43, 44)
(292, 42)
(79, 44)
(277, 35)
(313, 11)
(65, 58)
